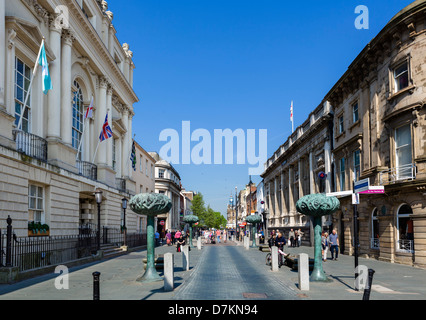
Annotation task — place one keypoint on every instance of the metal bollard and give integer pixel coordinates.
(367, 290)
(96, 295)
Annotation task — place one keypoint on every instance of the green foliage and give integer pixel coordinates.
(208, 217)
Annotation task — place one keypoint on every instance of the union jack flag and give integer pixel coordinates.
(106, 131)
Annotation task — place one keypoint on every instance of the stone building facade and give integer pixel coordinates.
(167, 182)
(373, 127)
(43, 177)
(294, 171)
(380, 132)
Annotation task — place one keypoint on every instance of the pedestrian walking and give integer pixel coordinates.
(299, 237)
(291, 236)
(177, 235)
(169, 238)
(180, 242)
(334, 244)
(224, 236)
(218, 235)
(325, 243)
(157, 238)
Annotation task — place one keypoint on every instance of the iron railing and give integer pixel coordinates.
(30, 144)
(87, 169)
(394, 175)
(374, 243)
(405, 246)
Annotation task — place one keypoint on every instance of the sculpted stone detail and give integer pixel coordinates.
(150, 204)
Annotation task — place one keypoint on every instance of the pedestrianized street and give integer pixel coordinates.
(222, 272)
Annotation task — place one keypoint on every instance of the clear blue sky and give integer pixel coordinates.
(237, 64)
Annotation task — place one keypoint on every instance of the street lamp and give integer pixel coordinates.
(98, 198)
(236, 214)
(124, 206)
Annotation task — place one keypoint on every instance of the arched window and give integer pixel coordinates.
(77, 117)
(375, 244)
(405, 241)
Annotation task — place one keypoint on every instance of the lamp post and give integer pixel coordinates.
(236, 214)
(124, 206)
(98, 198)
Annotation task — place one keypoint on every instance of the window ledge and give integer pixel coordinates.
(355, 124)
(400, 92)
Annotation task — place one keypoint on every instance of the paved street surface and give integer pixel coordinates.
(223, 272)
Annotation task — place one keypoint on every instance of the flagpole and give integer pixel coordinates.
(31, 84)
(82, 135)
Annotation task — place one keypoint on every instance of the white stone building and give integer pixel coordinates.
(43, 177)
(167, 182)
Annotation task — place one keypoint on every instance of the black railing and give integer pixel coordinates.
(28, 253)
(31, 145)
(87, 169)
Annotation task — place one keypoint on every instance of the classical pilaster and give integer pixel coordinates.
(290, 190)
(54, 96)
(2, 54)
(101, 112)
(311, 173)
(125, 146)
(109, 142)
(10, 66)
(66, 100)
(282, 194)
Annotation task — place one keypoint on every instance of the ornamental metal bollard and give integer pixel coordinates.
(9, 243)
(96, 294)
(367, 290)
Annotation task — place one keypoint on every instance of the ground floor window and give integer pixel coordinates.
(375, 244)
(36, 204)
(405, 233)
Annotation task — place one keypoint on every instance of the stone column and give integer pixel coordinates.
(311, 173)
(10, 68)
(276, 212)
(327, 164)
(290, 190)
(125, 147)
(66, 101)
(282, 194)
(2, 54)
(54, 96)
(387, 238)
(109, 142)
(419, 225)
(101, 111)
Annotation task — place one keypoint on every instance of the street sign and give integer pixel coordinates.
(355, 198)
(162, 223)
(362, 185)
(340, 194)
(374, 190)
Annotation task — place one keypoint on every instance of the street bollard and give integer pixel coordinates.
(303, 270)
(274, 258)
(169, 272)
(185, 258)
(96, 295)
(367, 290)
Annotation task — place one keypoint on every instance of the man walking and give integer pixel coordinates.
(334, 244)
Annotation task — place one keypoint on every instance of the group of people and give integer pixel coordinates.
(178, 238)
(330, 242)
(294, 237)
(211, 236)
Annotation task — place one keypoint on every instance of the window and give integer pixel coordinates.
(140, 163)
(401, 77)
(355, 115)
(357, 164)
(146, 168)
(403, 152)
(114, 154)
(341, 124)
(375, 230)
(35, 204)
(152, 169)
(161, 173)
(342, 174)
(405, 232)
(77, 117)
(22, 83)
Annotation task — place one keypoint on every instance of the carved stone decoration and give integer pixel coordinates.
(110, 15)
(10, 38)
(150, 205)
(316, 206)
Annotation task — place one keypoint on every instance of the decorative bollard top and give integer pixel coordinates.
(150, 204)
(191, 219)
(317, 205)
(253, 219)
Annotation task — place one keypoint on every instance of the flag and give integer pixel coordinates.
(47, 81)
(106, 131)
(291, 112)
(133, 156)
(89, 111)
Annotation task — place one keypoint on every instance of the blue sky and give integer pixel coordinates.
(237, 64)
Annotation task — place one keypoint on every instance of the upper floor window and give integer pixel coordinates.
(146, 168)
(22, 83)
(342, 174)
(161, 173)
(341, 124)
(357, 164)
(403, 150)
(77, 116)
(401, 77)
(355, 114)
